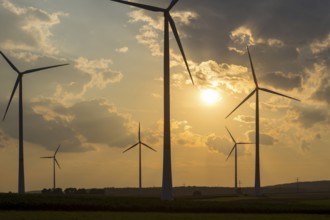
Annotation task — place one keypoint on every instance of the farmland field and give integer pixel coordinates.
(48, 207)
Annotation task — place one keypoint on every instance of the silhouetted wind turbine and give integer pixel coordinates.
(140, 161)
(54, 161)
(256, 91)
(167, 170)
(19, 81)
(235, 148)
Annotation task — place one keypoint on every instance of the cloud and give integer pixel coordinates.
(265, 139)
(285, 81)
(100, 72)
(231, 77)
(309, 115)
(318, 46)
(82, 127)
(30, 33)
(219, 144)
(151, 33)
(122, 50)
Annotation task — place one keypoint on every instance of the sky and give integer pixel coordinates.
(92, 107)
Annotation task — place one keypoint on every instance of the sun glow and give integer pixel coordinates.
(210, 96)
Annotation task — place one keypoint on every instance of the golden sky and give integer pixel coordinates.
(114, 81)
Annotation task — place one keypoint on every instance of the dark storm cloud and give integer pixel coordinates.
(77, 127)
(309, 115)
(265, 139)
(323, 92)
(283, 81)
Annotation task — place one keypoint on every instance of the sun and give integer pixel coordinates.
(210, 96)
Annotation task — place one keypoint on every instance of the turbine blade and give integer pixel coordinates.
(43, 68)
(57, 149)
(176, 35)
(11, 96)
(130, 147)
(10, 63)
(148, 146)
(231, 151)
(231, 135)
(57, 163)
(244, 143)
(242, 102)
(252, 68)
(47, 157)
(147, 7)
(172, 4)
(276, 93)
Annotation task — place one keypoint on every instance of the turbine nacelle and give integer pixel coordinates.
(20, 75)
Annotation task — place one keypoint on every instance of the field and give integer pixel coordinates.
(34, 206)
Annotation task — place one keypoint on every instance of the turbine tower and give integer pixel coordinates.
(235, 148)
(167, 169)
(19, 81)
(257, 138)
(140, 143)
(54, 161)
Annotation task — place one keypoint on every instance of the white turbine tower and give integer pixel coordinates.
(167, 169)
(235, 148)
(19, 82)
(140, 143)
(54, 161)
(257, 138)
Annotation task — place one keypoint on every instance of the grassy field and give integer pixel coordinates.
(45, 215)
(34, 206)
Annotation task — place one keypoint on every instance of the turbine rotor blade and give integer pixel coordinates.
(172, 4)
(244, 143)
(276, 93)
(235, 145)
(252, 68)
(57, 149)
(47, 157)
(57, 163)
(147, 7)
(11, 96)
(10, 63)
(130, 147)
(242, 102)
(231, 135)
(176, 35)
(42, 68)
(148, 146)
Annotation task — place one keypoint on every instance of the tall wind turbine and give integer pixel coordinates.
(19, 81)
(256, 91)
(140, 143)
(235, 148)
(54, 161)
(167, 170)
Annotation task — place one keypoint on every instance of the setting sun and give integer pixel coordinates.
(210, 96)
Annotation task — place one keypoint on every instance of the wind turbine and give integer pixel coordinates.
(19, 81)
(167, 170)
(256, 91)
(54, 161)
(140, 143)
(235, 148)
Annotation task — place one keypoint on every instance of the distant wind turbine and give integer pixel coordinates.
(256, 91)
(168, 20)
(140, 159)
(19, 81)
(54, 161)
(235, 148)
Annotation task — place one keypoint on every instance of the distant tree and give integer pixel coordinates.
(70, 191)
(58, 191)
(81, 191)
(46, 191)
